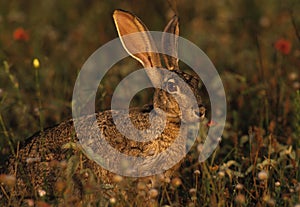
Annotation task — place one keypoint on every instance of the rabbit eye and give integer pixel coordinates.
(172, 86)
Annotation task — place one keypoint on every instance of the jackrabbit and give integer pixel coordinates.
(52, 159)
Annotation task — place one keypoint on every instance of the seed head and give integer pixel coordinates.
(277, 184)
(239, 186)
(197, 172)
(153, 193)
(176, 182)
(240, 199)
(263, 175)
(41, 192)
(30, 202)
(193, 191)
(221, 174)
(112, 200)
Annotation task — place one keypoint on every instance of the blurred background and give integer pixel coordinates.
(253, 44)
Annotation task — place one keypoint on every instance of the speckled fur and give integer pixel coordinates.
(46, 158)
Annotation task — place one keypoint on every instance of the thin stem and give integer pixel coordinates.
(38, 94)
(294, 25)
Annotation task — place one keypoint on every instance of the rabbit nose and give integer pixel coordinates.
(200, 112)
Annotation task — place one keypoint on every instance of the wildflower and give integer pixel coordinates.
(296, 85)
(113, 200)
(221, 174)
(194, 198)
(153, 193)
(191, 204)
(176, 182)
(270, 201)
(293, 76)
(30, 160)
(36, 63)
(239, 186)
(197, 172)
(286, 197)
(20, 34)
(41, 192)
(240, 199)
(211, 123)
(277, 184)
(214, 168)
(30, 202)
(193, 191)
(167, 180)
(284, 46)
(263, 175)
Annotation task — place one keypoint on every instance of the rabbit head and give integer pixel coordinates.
(171, 96)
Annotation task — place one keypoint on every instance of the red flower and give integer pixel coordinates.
(21, 35)
(284, 46)
(211, 123)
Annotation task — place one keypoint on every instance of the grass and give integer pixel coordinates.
(257, 161)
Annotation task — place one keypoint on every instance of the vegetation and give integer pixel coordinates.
(255, 46)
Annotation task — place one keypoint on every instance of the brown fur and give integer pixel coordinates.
(54, 161)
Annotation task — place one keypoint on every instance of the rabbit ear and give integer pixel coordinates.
(127, 23)
(170, 44)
